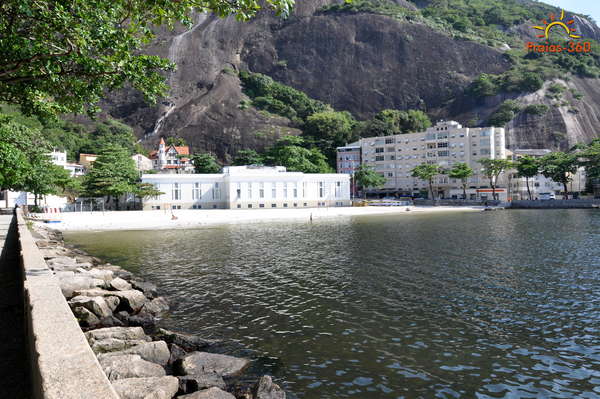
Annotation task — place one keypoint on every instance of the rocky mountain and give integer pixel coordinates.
(361, 62)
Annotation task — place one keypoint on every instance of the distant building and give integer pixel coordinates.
(142, 162)
(248, 187)
(445, 144)
(171, 158)
(86, 160)
(60, 158)
(348, 160)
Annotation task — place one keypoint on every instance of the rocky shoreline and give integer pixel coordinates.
(118, 313)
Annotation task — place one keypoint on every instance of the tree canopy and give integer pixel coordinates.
(560, 167)
(427, 172)
(205, 163)
(492, 169)
(527, 167)
(58, 57)
(367, 178)
(462, 172)
(289, 151)
(247, 157)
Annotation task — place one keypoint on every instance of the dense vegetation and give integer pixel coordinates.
(323, 128)
(76, 138)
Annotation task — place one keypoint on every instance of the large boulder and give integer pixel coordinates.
(131, 300)
(96, 305)
(203, 362)
(141, 319)
(114, 345)
(187, 342)
(119, 284)
(147, 387)
(155, 352)
(211, 393)
(147, 288)
(105, 275)
(61, 260)
(70, 284)
(123, 333)
(85, 317)
(129, 366)
(156, 306)
(193, 383)
(265, 388)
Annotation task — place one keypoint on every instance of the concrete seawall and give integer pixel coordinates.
(63, 365)
(556, 204)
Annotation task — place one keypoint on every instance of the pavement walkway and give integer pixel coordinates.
(14, 360)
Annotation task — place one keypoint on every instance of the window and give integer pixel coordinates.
(431, 145)
(250, 191)
(261, 190)
(176, 192)
(295, 204)
(390, 149)
(389, 141)
(295, 190)
(261, 205)
(390, 174)
(285, 205)
(216, 192)
(443, 153)
(285, 190)
(249, 205)
(239, 205)
(214, 207)
(321, 190)
(175, 206)
(379, 158)
(238, 191)
(442, 145)
(338, 189)
(273, 205)
(274, 191)
(305, 204)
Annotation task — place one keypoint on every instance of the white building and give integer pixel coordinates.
(60, 158)
(243, 187)
(142, 162)
(444, 144)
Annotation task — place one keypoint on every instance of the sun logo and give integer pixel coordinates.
(554, 23)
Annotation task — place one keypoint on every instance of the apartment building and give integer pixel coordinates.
(444, 144)
(248, 187)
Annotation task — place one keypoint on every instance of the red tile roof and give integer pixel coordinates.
(183, 150)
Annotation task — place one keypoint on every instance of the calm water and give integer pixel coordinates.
(476, 305)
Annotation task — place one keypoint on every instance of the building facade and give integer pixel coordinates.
(142, 162)
(444, 144)
(248, 187)
(171, 158)
(60, 158)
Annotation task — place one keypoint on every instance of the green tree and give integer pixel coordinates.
(247, 157)
(462, 172)
(590, 159)
(527, 167)
(145, 190)
(110, 131)
(205, 163)
(58, 57)
(329, 130)
(366, 178)
(43, 179)
(505, 113)
(427, 172)
(176, 141)
(289, 151)
(560, 167)
(492, 169)
(22, 149)
(113, 174)
(392, 121)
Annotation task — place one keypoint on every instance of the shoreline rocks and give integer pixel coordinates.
(119, 314)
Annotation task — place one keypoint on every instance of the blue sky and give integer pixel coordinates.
(588, 7)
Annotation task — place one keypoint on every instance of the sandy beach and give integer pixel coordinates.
(163, 219)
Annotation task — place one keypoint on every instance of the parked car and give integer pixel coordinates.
(547, 196)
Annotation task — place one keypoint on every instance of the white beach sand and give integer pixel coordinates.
(162, 219)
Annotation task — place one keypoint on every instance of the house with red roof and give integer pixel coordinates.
(171, 158)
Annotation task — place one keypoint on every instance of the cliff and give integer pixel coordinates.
(360, 62)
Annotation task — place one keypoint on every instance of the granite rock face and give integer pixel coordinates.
(118, 367)
(360, 62)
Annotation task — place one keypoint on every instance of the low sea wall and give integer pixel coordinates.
(63, 364)
(453, 202)
(556, 204)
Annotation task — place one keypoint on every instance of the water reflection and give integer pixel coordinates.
(485, 305)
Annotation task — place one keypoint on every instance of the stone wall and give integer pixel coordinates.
(63, 364)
